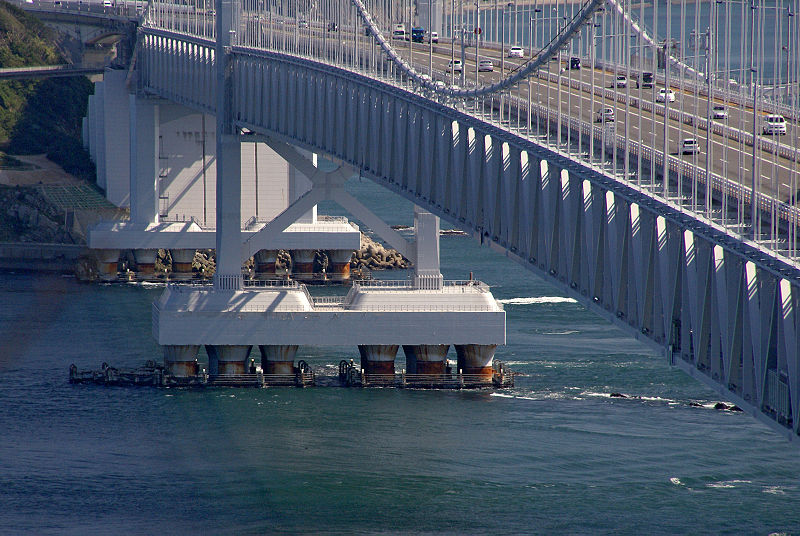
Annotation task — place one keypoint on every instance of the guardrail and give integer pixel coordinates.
(766, 203)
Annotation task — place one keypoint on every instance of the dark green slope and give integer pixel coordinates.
(40, 116)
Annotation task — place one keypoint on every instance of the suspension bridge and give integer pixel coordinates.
(641, 158)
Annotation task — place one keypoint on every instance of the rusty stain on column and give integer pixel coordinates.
(339, 268)
(378, 358)
(145, 263)
(475, 358)
(303, 263)
(231, 358)
(278, 358)
(107, 263)
(181, 360)
(425, 358)
(265, 263)
(182, 263)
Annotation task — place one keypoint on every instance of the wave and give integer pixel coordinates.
(147, 284)
(774, 490)
(537, 300)
(727, 484)
(516, 397)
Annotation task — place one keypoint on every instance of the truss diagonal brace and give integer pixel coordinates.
(326, 185)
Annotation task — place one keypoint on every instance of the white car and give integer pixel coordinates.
(485, 66)
(434, 37)
(621, 81)
(718, 111)
(454, 66)
(774, 124)
(665, 95)
(516, 52)
(690, 146)
(303, 23)
(605, 115)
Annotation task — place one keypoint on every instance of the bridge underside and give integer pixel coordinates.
(712, 304)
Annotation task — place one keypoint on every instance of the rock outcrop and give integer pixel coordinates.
(375, 256)
(25, 216)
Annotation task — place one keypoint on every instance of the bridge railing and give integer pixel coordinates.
(334, 35)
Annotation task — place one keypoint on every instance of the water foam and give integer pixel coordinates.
(537, 300)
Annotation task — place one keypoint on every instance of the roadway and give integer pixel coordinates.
(730, 155)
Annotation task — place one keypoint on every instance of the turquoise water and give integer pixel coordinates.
(555, 454)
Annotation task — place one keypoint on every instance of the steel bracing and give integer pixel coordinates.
(667, 247)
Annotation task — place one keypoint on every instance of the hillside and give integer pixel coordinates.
(40, 116)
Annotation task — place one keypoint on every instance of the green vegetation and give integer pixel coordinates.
(40, 116)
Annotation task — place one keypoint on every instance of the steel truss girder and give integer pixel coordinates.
(718, 308)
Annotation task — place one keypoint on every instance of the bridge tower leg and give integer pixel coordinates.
(229, 162)
(144, 166)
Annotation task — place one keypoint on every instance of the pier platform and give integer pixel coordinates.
(154, 375)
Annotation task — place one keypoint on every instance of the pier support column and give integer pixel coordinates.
(475, 358)
(378, 358)
(145, 263)
(182, 263)
(228, 359)
(181, 360)
(302, 263)
(278, 358)
(144, 162)
(107, 261)
(339, 268)
(426, 269)
(265, 263)
(425, 358)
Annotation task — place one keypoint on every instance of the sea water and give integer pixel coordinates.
(554, 454)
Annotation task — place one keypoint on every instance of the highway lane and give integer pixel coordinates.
(729, 158)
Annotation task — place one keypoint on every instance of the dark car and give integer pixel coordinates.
(575, 63)
(333, 27)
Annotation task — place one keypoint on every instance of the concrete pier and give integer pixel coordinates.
(265, 263)
(303, 263)
(181, 360)
(145, 263)
(425, 358)
(228, 359)
(107, 261)
(378, 358)
(278, 358)
(339, 267)
(182, 264)
(475, 358)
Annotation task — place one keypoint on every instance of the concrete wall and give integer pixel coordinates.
(188, 171)
(187, 178)
(116, 114)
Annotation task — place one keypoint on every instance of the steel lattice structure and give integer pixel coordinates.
(694, 255)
